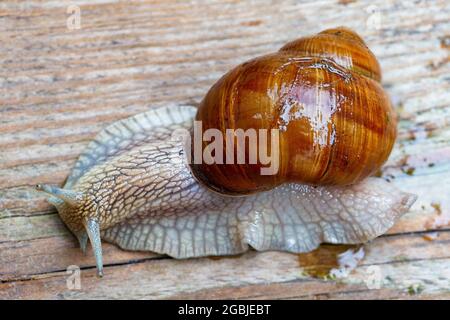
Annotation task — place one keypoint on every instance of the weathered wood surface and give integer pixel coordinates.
(59, 87)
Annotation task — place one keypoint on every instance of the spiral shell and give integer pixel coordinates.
(322, 93)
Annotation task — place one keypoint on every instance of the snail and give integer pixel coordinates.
(329, 126)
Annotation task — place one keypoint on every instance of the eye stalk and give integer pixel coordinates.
(72, 201)
(70, 197)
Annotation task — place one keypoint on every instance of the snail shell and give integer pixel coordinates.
(322, 93)
(132, 186)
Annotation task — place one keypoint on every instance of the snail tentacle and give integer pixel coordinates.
(70, 197)
(83, 240)
(93, 231)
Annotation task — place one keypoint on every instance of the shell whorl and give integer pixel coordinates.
(323, 95)
(341, 45)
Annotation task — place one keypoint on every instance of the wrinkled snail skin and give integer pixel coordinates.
(132, 186)
(322, 93)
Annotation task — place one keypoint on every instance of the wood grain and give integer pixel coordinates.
(59, 87)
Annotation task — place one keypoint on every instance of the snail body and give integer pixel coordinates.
(133, 187)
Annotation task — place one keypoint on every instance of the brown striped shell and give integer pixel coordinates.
(336, 123)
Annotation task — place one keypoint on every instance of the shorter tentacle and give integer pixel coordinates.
(83, 239)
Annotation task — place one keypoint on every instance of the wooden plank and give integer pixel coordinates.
(59, 87)
(402, 261)
(22, 260)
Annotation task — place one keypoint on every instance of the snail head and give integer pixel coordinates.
(71, 206)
